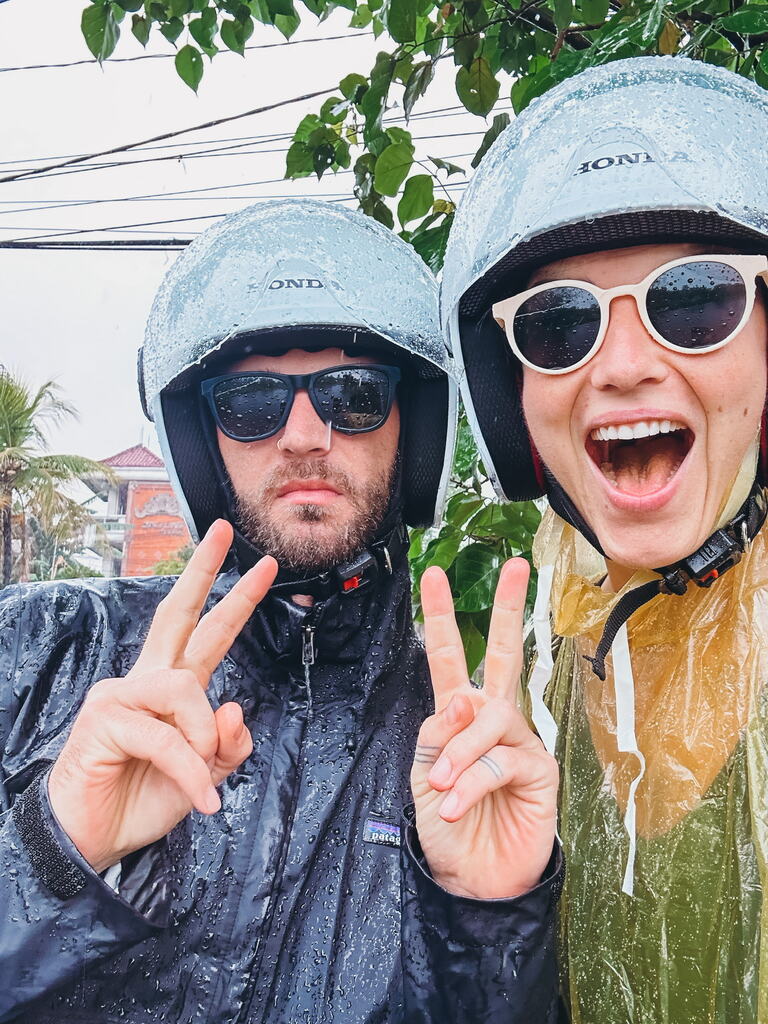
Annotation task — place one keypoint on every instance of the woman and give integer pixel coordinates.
(604, 293)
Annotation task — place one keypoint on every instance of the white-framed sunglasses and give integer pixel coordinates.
(693, 305)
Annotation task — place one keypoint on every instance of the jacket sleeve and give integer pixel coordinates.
(56, 914)
(477, 960)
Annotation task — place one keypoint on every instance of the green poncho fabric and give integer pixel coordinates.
(688, 947)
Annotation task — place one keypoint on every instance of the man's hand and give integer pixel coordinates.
(485, 788)
(146, 749)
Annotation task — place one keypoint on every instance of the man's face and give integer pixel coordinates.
(308, 495)
(655, 500)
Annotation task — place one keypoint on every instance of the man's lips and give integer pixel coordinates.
(316, 492)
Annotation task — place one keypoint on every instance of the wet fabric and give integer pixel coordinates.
(294, 903)
(689, 945)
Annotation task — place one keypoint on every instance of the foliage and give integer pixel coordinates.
(30, 477)
(502, 50)
(174, 564)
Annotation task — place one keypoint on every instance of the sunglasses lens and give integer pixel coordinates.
(555, 328)
(250, 407)
(697, 305)
(354, 399)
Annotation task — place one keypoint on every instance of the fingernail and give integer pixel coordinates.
(213, 803)
(449, 806)
(441, 770)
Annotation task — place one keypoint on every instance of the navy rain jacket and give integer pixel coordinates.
(295, 903)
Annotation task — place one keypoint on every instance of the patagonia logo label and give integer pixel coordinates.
(382, 832)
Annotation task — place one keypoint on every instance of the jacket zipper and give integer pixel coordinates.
(308, 654)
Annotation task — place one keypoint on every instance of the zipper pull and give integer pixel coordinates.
(308, 646)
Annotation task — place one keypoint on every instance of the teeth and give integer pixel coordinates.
(631, 431)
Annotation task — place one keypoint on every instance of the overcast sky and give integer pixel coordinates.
(79, 317)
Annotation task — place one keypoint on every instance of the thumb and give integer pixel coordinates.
(235, 742)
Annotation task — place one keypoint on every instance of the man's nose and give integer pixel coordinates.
(304, 432)
(629, 356)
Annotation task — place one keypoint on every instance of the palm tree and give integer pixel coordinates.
(28, 473)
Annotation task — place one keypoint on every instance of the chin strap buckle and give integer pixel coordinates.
(720, 552)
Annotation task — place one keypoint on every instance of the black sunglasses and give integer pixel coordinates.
(254, 404)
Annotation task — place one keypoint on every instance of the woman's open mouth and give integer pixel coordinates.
(639, 459)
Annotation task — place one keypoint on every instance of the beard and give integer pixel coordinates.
(306, 538)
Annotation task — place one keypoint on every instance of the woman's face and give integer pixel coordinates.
(651, 500)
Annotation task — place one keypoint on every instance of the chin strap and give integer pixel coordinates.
(719, 552)
(379, 558)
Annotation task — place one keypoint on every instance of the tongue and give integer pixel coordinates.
(646, 465)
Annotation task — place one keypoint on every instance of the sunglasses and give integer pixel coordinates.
(692, 305)
(254, 404)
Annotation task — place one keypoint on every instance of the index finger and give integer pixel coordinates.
(178, 613)
(217, 630)
(442, 639)
(504, 654)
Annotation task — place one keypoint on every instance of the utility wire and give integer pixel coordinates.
(57, 233)
(166, 135)
(438, 113)
(166, 56)
(185, 196)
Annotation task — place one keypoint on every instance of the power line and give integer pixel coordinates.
(166, 135)
(166, 56)
(183, 196)
(436, 114)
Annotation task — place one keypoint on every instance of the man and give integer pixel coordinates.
(295, 374)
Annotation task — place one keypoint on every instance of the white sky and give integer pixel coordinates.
(79, 317)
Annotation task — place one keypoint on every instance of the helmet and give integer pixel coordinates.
(650, 149)
(296, 274)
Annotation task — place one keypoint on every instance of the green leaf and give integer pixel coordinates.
(281, 7)
(140, 28)
(466, 455)
(472, 640)
(563, 14)
(189, 64)
(594, 11)
(498, 125)
(396, 134)
(477, 88)
(401, 20)
(298, 161)
(130, 5)
(476, 571)
(203, 30)
(235, 34)
(100, 29)
(330, 112)
(307, 125)
(417, 85)
(465, 49)
(430, 244)
(372, 103)
(445, 165)
(750, 19)
(361, 18)
(392, 168)
(417, 199)
(172, 29)
(287, 24)
(353, 87)
(461, 507)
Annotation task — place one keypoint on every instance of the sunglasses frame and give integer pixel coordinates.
(299, 382)
(747, 266)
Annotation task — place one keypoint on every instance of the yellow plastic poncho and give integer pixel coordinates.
(689, 947)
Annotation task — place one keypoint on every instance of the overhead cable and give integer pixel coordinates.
(167, 135)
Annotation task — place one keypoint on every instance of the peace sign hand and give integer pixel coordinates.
(146, 749)
(484, 787)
